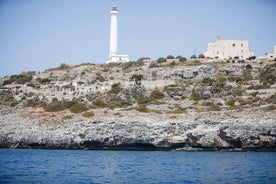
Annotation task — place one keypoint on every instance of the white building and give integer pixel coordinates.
(224, 49)
(113, 47)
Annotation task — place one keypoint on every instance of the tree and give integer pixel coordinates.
(161, 60)
(170, 57)
(181, 58)
(201, 56)
(137, 78)
(178, 57)
(193, 56)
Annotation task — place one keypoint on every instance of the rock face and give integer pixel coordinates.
(238, 131)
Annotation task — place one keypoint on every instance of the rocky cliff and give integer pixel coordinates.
(132, 130)
(175, 105)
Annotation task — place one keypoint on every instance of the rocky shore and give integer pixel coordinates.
(190, 105)
(237, 130)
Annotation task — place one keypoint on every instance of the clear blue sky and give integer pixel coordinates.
(36, 35)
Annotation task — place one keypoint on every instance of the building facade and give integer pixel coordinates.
(225, 49)
(113, 45)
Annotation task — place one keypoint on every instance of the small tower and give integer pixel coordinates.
(113, 45)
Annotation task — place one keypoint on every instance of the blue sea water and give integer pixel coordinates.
(85, 166)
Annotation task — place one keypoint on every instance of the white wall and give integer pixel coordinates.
(224, 49)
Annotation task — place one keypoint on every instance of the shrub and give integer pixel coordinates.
(179, 110)
(170, 57)
(270, 108)
(116, 88)
(67, 117)
(56, 106)
(214, 107)
(88, 114)
(272, 99)
(268, 74)
(246, 75)
(142, 108)
(201, 56)
(19, 79)
(208, 81)
(182, 59)
(161, 60)
(230, 102)
(193, 56)
(43, 80)
(78, 107)
(248, 66)
(237, 92)
(74, 107)
(157, 94)
(259, 86)
(35, 102)
(106, 70)
(99, 77)
(196, 96)
(63, 66)
(143, 99)
(100, 104)
(137, 78)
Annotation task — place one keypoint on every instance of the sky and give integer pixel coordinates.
(37, 35)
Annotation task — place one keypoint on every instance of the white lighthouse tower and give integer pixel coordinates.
(113, 47)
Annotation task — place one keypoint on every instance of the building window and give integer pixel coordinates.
(241, 51)
(241, 45)
(233, 45)
(217, 52)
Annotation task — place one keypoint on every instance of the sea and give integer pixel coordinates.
(89, 166)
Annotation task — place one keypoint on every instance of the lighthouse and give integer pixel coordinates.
(113, 45)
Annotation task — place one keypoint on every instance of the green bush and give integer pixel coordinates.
(56, 106)
(270, 108)
(230, 102)
(181, 58)
(78, 107)
(201, 56)
(143, 99)
(170, 57)
(67, 117)
(100, 104)
(246, 75)
(196, 96)
(43, 80)
(144, 109)
(161, 60)
(88, 114)
(137, 78)
(179, 110)
(116, 88)
(268, 74)
(208, 81)
(259, 86)
(193, 56)
(157, 94)
(19, 79)
(73, 106)
(99, 77)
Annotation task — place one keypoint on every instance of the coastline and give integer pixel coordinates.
(237, 130)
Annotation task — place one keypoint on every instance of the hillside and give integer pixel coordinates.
(173, 104)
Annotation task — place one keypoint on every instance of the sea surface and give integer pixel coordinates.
(86, 166)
